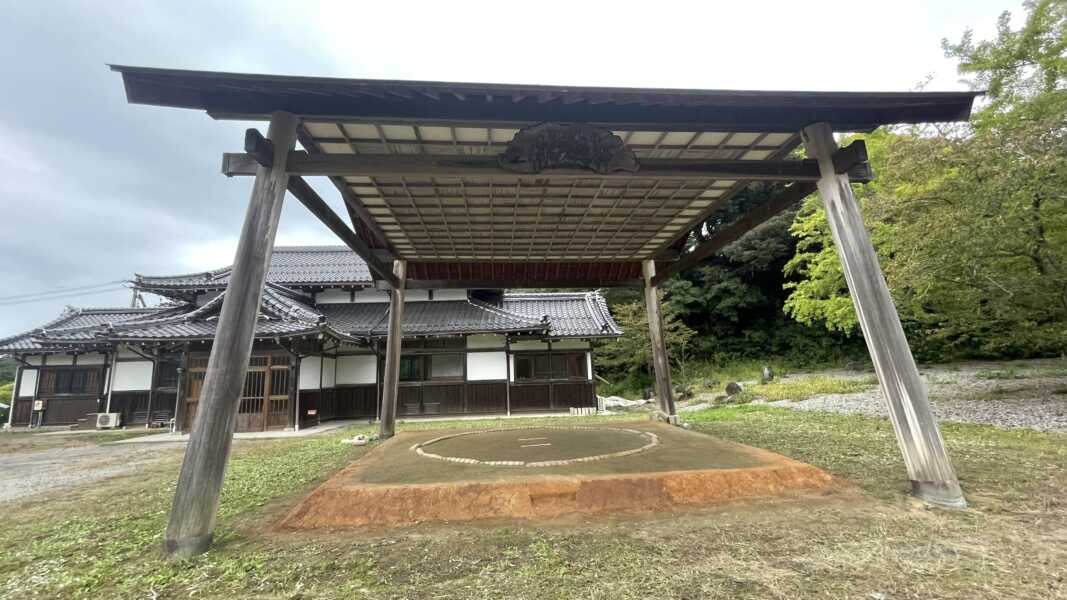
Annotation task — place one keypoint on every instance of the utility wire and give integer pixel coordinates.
(61, 290)
(62, 296)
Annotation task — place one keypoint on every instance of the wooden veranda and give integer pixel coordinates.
(486, 185)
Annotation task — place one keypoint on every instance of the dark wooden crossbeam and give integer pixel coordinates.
(846, 160)
(318, 207)
(259, 147)
(520, 283)
(356, 165)
(261, 151)
(734, 231)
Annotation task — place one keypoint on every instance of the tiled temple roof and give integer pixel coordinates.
(75, 322)
(292, 266)
(286, 312)
(452, 317)
(575, 314)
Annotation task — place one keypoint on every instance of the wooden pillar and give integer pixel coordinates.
(927, 462)
(196, 500)
(390, 385)
(114, 360)
(179, 391)
(14, 396)
(152, 389)
(659, 344)
(507, 368)
(294, 391)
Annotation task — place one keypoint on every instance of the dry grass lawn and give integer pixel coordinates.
(868, 542)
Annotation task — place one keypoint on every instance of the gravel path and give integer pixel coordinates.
(25, 474)
(957, 394)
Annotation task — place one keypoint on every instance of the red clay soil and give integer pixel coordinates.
(349, 500)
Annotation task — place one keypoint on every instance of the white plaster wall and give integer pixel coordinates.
(59, 359)
(371, 296)
(329, 372)
(529, 345)
(485, 340)
(333, 296)
(511, 366)
(33, 360)
(309, 372)
(570, 345)
(357, 369)
(132, 376)
(29, 383)
(417, 296)
(487, 365)
(589, 364)
(449, 295)
(94, 358)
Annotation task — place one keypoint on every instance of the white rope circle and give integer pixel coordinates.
(653, 441)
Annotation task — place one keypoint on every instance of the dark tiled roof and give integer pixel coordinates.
(577, 314)
(451, 317)
(293, 266)
(287, 312)
(282, 313)
(76, 323)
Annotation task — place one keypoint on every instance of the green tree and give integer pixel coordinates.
(734, 299)
(8, 366)
(6, 392)
(969, 221)
(630, 356)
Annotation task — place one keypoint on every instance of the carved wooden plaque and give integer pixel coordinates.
(563, 145)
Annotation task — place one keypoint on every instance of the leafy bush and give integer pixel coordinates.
(6, 391)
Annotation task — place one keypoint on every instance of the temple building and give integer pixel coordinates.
(322, 324)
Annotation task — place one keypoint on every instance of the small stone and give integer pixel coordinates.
(766, 375)
(733, 388)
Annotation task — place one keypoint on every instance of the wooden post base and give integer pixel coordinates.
(177, 549)
(943, 494)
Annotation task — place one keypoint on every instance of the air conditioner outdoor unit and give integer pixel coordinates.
(107, 420)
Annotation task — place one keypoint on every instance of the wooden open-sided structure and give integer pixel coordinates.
(494, 186)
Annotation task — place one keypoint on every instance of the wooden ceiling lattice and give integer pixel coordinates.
(534, 217)
(416, 164)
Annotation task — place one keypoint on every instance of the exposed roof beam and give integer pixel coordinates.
(365, 227)
(350, 165)
(847, 159)
(731, 233)
(318, 207)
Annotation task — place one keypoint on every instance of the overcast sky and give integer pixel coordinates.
(95, 189)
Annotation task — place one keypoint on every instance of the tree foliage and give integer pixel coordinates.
(734, 300)
(631, 355)
(969, 221)
(8, 366)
